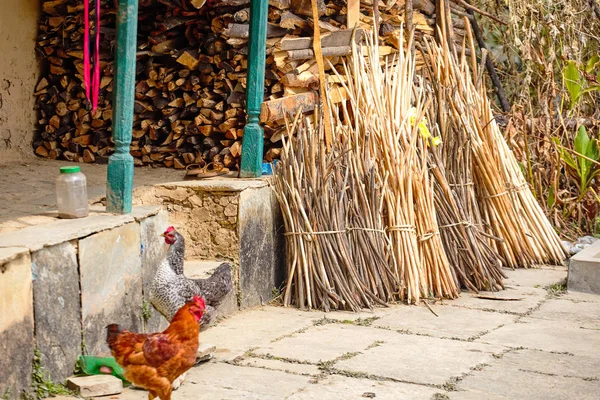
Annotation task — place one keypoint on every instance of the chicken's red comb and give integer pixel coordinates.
(169, 229)
(199, 301)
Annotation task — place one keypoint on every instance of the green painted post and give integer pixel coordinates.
(120, 164)
(252, 149)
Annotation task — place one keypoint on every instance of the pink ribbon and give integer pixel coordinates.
(96, 78)
(91, 82)
(86, 48)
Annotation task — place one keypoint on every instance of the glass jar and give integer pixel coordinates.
(71, 193)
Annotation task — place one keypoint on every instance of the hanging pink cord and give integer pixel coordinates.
(86, 48)
(96, 78)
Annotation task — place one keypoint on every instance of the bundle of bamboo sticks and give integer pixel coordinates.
(360, 217)
(388, 213)
(515, 225)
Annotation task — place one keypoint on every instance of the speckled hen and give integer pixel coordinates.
(171, 289)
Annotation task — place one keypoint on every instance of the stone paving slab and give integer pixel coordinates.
(226, 381)
(279, 365)
(339, 387)
(252, 329)
(551, 336)
(420, 359)
(582, 314)
(500, 381)
(325, 342)
(473, 394)
(450, 322)
(526, 299)
(579, 297)
(535, 277)
(400, 352)
(566, 365)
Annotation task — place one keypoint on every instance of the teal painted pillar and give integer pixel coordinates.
(252, 145)
(120, 164)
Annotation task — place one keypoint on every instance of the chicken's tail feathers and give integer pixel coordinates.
(112, 333)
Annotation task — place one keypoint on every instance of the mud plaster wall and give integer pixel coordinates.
(207, 220)
(18, 77)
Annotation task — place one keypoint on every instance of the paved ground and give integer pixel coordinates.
(28, 187)
(537, 344)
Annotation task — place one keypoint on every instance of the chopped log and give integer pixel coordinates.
(327, 52)
(188, 60)
(333, 39)
(303, 7)
(275, 110)
(292, 21)
(241, 31)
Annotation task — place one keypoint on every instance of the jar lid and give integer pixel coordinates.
(70, 170)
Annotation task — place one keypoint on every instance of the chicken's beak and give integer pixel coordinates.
(162, 235)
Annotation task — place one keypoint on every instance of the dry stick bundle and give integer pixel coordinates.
(504, 199)
(337, 246)
(381, 100)
(360, 218)
(477, 266)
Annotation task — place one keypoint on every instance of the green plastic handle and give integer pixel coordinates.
(91, 366)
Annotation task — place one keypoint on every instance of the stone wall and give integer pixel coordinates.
(61, 283)
(206, 218)
(18, 77)
(232, 220)
(16, 321)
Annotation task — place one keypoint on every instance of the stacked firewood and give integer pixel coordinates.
(191, 75)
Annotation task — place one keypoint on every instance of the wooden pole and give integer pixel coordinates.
(253, 141)
(120, 164)
(353, 13)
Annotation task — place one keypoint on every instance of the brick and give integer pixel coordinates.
(95, 385)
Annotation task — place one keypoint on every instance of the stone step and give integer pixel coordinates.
(200, 269)
(584, 270)
(238, 219)
(203, 269)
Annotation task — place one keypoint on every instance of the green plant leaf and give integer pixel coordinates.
(551, 200)
(592, 151)
(572, 80)
(591, 64)
(582, 140)
(590, 89)
(565, 156)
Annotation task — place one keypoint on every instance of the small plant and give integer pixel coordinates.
(6, 395)
(585, 164)
(146, 310)
(557, 289)
(42, 384)
(576, 82)
(275, 293)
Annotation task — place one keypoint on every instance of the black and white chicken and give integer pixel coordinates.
(171, 289)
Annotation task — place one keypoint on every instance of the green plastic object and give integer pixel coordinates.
(70, 170)
(91, 365)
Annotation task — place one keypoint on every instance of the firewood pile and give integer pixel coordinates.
(191, 75)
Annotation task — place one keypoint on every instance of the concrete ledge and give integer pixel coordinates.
(584, 270)
(59, 276)
(218, 185)
(63, 230)
(8, 254)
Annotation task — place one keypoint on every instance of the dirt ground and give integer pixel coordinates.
(28, 186)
